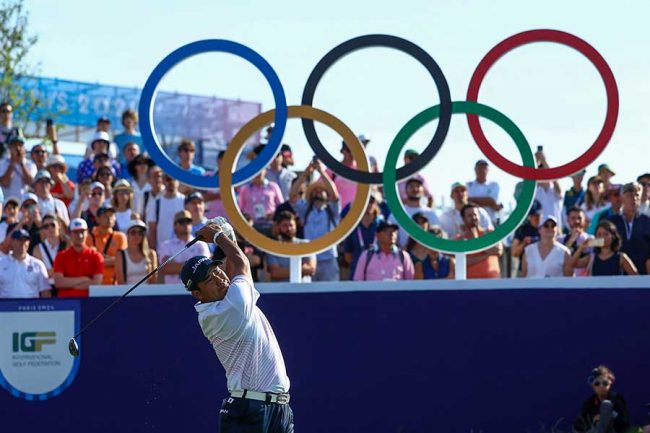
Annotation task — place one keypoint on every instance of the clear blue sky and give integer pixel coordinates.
(553, 93)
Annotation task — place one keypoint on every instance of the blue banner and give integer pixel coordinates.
(491, 361)
(196, 117)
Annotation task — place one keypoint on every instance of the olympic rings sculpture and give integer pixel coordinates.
(226, 179)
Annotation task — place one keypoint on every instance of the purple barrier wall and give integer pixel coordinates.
(424, 361)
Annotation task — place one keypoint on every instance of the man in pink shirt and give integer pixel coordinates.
(260, 198)
(384, 261)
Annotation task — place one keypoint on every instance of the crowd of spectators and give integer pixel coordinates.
(122, 215)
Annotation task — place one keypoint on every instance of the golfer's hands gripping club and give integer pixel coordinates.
(214, 226)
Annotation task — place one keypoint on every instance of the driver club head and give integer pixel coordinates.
(73, 347)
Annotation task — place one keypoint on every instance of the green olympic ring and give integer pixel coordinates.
(518, 215)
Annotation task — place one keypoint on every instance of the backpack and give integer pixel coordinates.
(371, 252)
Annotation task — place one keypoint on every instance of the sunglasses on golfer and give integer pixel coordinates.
(600, 382)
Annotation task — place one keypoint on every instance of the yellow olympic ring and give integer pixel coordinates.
(284, 249)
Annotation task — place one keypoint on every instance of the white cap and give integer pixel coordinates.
(135, 223)
(101, 135)
(363, 139)
(28, 196)
(97, 185)
(55, 159)
(78, 224)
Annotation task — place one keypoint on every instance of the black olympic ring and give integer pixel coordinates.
(404, 46)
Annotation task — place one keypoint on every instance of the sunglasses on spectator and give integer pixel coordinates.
(549, 226)
(136, 232)
(39, 152)
(185, 149)
(104, 174)
(47, 226)
(97, 193)
(184, 221)
(600, 382)
(644, 183)
(7, 110)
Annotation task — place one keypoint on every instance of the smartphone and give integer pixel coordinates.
(49, 122)
(540, 149)
(314, 159)
(596, 243)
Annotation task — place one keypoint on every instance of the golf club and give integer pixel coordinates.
(73, 347)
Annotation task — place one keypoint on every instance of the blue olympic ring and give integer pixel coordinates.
(145, 111)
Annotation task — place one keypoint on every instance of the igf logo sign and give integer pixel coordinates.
(32, 341)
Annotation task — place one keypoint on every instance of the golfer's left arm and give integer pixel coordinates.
(236, 258)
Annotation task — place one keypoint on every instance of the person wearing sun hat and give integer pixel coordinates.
(122, 201)
(63, 188)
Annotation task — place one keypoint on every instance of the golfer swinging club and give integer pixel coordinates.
(242, 337)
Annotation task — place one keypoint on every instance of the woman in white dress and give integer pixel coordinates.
(51, 243)
(137, 260)
(547, 257)
(122, 201)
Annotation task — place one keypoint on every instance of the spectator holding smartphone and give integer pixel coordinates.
(528, 232)
(606, 258)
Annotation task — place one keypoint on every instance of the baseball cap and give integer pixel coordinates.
(536, 208)
(414, 179)
(631, 187)
(184, 214)
(16, 136)
(43, 174)
(411, 152)
(458, 185)
(104, 119)
(481, 162)
(614, 187)
(101, 136)
(20, 234)
(105, 208)
(547, 219)
(194, 271)
(136, 223)
(580, 173)
(285, 148)
(96, 185)
(12, 199)
(28, 196)
(419, 217)
(363, 139)
(54, 160)
(195, 195)
(605, 167)
(386, 225)
(78, 224)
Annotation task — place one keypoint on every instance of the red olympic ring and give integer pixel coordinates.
(608, 126)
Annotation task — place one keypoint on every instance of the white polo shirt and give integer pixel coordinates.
(487, 189)
(54, 206)
(243, 340)
(22, 279)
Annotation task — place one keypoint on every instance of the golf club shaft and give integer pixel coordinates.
(145, 278)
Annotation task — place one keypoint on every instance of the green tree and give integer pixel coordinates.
(15, 43)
